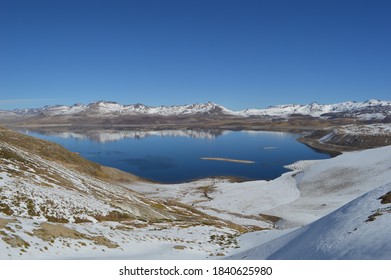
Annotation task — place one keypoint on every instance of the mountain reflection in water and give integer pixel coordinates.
(172, 156)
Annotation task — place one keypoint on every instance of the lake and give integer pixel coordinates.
(173, 156)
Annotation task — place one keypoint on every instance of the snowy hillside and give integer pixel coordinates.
(311, 191)
(68, 207)
(376, 108)
(359, 230)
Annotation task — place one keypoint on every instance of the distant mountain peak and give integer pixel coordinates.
(370, 109)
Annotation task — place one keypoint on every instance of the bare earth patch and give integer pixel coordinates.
(16, 241)
(270, 218)
(385, 199)
(180, 247)
(4, 222)
(48, 232)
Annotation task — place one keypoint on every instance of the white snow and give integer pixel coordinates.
(113, 108)
(316, 110)
(311, 191)
(373, 130)
(378, 129)
(104, 108)
(346, 233)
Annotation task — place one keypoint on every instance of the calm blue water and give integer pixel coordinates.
(167, 157)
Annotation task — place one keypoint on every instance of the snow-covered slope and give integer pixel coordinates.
(359, 230)
(55, 204)
(357, 135)
(376, 108)
(311, 191)
(368, 110)
(65, 188)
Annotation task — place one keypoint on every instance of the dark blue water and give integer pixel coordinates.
(168, 157)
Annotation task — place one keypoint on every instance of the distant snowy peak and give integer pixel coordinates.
(113, 108)
(345, 109)
(371, 109)
(192, 109)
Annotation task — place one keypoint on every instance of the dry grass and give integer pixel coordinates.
(114, 216)
(48, 232)
(10, 155)
(270, 218)
(5, 209)
(5, 222)
(49, 151)
(101, 240)
(372, 217)
(179, 247)
(16, 241)
(385, 199)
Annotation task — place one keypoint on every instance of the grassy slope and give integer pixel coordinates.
(23, 159)
(54, 152)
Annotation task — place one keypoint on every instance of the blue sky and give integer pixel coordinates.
(241, 54)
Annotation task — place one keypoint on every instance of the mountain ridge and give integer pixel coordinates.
(370, 109)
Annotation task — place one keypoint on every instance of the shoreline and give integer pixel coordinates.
(312, 142)
(331, 149)
(272, 206)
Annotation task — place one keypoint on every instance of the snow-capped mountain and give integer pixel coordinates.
(379, 109)
(112, 108)
(368, 110)
(6, 113)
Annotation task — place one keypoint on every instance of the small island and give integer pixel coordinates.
(229, 160)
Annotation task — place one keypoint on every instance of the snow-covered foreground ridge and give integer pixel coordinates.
(358, 230)
(311, 191)
(371, 109)
(63, 208)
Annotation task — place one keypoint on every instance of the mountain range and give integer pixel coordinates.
(368, 110)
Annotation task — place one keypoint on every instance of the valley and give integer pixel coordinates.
(55, 204)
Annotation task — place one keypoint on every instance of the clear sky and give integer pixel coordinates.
(240, 54)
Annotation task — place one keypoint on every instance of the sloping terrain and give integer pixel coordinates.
(71, 202)
(358, 230)
(312, 190)
(350, 137)
(298, 198)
